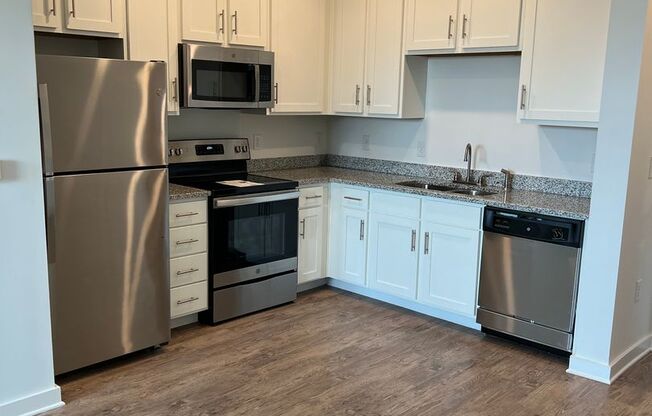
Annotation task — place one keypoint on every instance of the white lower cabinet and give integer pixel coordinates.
(348, 250)
(393, 256)
(448, 268)
(311, 235)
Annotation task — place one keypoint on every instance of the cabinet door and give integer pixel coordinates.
(299, 35)
(348, 55)
(384, 56)
(490, 24)
(147, 28)
(561, 80)
(95, 15)
(311, 235)
(431, 24)
(249, 22)
(393, 256)
(203, 20)
(173, 38)
(349, 245)
(45, 14)
(448, 268)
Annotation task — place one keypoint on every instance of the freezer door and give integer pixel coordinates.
(107, 249)
(101, 114)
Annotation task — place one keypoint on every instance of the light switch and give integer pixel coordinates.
(0, 170)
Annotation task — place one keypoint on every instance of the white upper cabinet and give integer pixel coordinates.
(203, 20)
(299, 35)
(563, 62)
(490, 24)
(249, 22)
(348, 55)
(45, 14)
(431, 25)
(95, 15)
(463, 26)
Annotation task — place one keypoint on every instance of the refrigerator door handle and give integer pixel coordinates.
(50, 212)
(46, 128)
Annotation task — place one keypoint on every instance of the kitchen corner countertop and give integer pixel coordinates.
(536, 202)
(181, 193)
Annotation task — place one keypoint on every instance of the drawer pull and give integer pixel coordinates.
(189, 241)
(187, 214)
(180, 273)
(350, 198)
(313, 197)
(192, 299)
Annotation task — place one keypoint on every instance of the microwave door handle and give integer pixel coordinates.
(257, 84)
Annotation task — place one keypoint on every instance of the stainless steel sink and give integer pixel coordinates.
(424, 185)
(474, 192)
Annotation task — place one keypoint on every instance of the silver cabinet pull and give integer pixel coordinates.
(72, 8)
(192, 299)
(523, 96)
(53, 9)
(303, 229)
(221, 15)
(276, 93)
(368, 95)
(357, 94)
(361, 230)
(192, 270)
(175, 90)
(314, 197)
(235, 22)
(187, 214)
(464, 22)
(189, 241)
(450, 27)
(350, 198)
(426, 244)
(414, 240)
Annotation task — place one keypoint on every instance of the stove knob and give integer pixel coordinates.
(178, 152)
(238, 149)
(171, 152)
(245, 149)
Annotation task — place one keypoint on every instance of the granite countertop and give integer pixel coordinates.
(530, 201)
(180, 193)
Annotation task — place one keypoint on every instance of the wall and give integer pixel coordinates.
(26, 371)
(280, 135)
(616, 248)
(472, 99)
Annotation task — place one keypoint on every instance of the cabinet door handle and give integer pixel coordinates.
(357, 94)
(53, 9)
(235, 22)
(523, 96)
(368, 95)
(192, 270)
(361, 230)
(192, 299)
(464, 22)
(350, 198)
(175, 90)
(72, 8)
(221, 15)
(189, 241)
(450, 27)
(414, 240)
(314, 197)
(276, 93)
(303, 229)
(187, 214)
(426, 244)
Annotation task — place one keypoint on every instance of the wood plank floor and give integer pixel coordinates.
(333, 353)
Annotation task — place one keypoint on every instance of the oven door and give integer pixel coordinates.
(253, 236)
(214, 77)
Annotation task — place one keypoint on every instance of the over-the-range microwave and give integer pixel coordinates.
(218, 77)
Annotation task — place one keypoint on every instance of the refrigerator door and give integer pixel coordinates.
(107, 249)
(101, 114)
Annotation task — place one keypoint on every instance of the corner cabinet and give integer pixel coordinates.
(562, 67)
(370, 75)
(80, 17)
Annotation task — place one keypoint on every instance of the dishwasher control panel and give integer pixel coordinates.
(555, 230)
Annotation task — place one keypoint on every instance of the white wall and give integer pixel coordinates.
(26, 370)
(616, 254)
(281, 135)
(472, 99)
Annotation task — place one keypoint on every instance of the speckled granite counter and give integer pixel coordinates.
(538, 202)
(180, 193)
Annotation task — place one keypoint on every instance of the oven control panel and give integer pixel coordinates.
(206, 150)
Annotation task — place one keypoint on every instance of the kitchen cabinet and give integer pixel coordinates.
(203, 20)
(249, 21)
(563, 62)
(311, 234)
(449, 268)
(370, 75)
(393, 256)
(81, 17)
(299, 35)
(463, 26)
(45, 14)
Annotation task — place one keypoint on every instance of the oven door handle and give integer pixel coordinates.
(254, 199)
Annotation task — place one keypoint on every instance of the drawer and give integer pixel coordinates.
(453, 214)
(398, 205)
(188, 213)
(353, 198)
(188, 240)
(311, 197)
(188, 269)
(188, 299)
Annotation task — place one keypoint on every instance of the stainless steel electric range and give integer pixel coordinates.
(253, 226)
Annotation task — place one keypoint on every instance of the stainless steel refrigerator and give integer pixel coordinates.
(103, 132)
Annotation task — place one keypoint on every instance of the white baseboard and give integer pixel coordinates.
(34, 404)
(588, 368)
(630, 357)
(407, 304)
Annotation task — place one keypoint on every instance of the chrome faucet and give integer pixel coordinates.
(468, 152)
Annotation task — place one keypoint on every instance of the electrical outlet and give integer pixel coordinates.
(421, 149)
(258, 141)
(366, 147)
(637, 290)
(649, 172)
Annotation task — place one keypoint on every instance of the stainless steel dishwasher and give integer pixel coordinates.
(529, 276)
